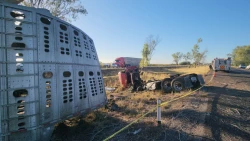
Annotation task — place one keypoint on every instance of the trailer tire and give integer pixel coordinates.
(178, 85)
(166, 85)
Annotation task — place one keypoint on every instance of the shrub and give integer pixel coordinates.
(184, 63)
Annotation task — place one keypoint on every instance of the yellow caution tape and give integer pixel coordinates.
(164, 103)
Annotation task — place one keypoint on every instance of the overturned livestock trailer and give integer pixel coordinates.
(49, 72)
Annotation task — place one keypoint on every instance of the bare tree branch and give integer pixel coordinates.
(64, 9)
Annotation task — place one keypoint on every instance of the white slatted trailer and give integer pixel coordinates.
(49, 72)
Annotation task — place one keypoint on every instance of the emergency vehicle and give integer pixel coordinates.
(221, 64)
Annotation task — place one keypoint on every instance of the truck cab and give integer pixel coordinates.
(120, 62)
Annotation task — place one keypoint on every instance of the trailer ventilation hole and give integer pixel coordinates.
(86, 45)
(21, 124)
(65, 101)
(45, 20)
(66, 74)
(20, 101)
(19, 38)
(19, 66)
(18, 45)
(93, 86)
(47, 74)
(18, 28)
(20, 112)
(98, 73)
(19, 55)
(46, 28)
(20, 93)
(84, 37)
(48, 93)
(88, 55)
(20, 107)
(18, 23)
(78, 53)
(91, 42)
(20, 117)
(82, 88)
(17, 15)
(48, 96)
(91, 73)
(92, 48)
(46, 37)
(76, 33)
(63, 27)
(80, 73)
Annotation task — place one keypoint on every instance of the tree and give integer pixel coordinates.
(63, 9)
(152, 43)
(177, 57)
(187, 56)
(198, 56)
(145, 55)
(241, 55)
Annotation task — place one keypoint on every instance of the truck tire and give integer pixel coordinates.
(178, 85)
(166, 85)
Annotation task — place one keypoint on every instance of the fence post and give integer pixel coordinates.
(159, 112)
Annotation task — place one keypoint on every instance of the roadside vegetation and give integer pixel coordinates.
(198, 57)
(241, 55)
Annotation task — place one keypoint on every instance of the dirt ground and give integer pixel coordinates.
(219, 111)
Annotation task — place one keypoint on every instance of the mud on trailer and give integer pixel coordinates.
(49, 72)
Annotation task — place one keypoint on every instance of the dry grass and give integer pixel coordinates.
(198, 70)
(103, 122)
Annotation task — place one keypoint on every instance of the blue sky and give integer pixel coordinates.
(120, 27)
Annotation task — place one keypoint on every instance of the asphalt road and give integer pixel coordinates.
(228, 111)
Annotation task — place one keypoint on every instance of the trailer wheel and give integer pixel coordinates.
(166, 85)
(178, 85)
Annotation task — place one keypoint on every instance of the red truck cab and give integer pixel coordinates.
(120, 62)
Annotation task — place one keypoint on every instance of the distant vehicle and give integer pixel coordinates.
(221, 64)
(106, 65)
(242, 66)
(114, 65)
(127, 61)
(248, 67)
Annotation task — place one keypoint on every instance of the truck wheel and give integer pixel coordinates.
(166, 85)
(177, 85)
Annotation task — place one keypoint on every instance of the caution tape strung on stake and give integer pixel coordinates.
(153, 109)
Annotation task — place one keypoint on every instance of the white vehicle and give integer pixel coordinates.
(221, 64)
(114, 65)
(248, 67)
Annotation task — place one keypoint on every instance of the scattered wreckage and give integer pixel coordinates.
(130, 78)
